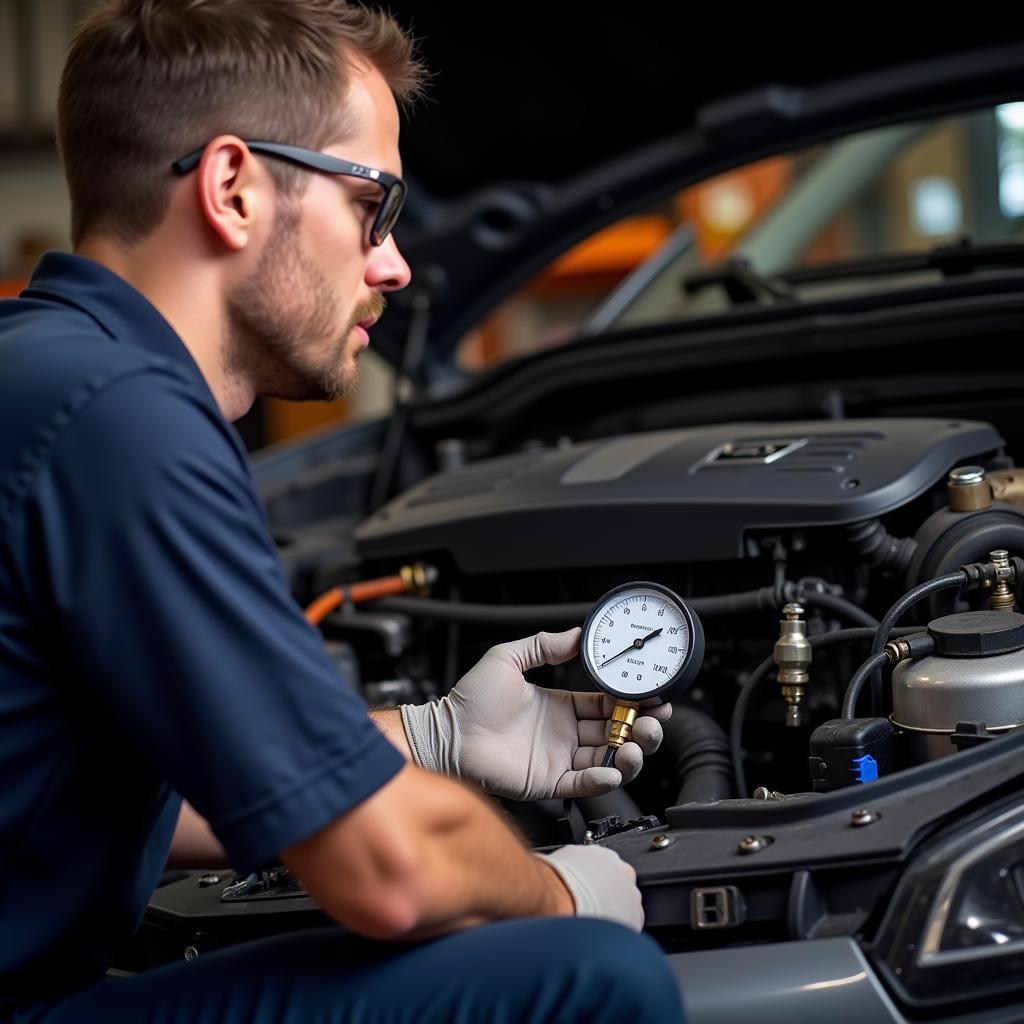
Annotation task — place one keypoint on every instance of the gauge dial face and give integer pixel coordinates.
(639, 640)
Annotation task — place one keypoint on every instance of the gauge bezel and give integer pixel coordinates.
(692, 661)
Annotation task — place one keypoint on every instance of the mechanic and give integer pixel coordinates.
(150, 650)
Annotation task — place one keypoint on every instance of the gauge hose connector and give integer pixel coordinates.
(623, 717)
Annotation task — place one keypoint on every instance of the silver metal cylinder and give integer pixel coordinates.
(931, 695)
(792, 654)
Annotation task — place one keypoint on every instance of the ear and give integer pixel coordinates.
(232, 190)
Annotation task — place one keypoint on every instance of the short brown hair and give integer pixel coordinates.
(147, 81)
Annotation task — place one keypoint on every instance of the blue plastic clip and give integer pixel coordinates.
(865, 768)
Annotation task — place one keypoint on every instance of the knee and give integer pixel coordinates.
(616, 974)
(632, 971)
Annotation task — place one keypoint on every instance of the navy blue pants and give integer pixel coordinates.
(513, 972)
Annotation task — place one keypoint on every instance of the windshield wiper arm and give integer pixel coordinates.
(963, 257)
(740, 282)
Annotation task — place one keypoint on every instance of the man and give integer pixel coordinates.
(234, 176)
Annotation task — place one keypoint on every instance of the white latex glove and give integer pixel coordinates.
(601, 883)
(520, 741)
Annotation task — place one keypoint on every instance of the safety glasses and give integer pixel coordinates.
(394, 187)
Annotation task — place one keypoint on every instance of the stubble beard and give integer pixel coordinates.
(277, 316)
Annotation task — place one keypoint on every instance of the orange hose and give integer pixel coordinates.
(322, 606)
(368, 590)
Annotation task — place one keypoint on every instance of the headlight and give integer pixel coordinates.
(955, 928)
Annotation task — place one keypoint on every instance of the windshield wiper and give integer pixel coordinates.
(740, 282)
(965, 256)
(962, 257)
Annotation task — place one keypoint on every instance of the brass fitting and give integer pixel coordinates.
(418, 578)
(896, 651)
(1001, 599)
(792, 655)
(969, 489)
(623, 717)
(904, 648)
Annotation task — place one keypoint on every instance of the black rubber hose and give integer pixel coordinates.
(950, 581)
(739, 710)
(739, 713)
(839, 606)
(558, 614)
(486, 614)
(879, 549)
(875, 661)
(700, 755)
(763, 599)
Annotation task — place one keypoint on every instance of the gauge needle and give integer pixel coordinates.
(634, 646)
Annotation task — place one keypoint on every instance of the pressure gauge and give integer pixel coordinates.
(641, 640)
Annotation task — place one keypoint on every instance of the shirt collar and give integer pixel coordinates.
(119, 309)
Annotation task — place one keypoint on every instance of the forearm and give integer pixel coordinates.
(476, 868)
(424, 855)
(389, 721)
(194, 844)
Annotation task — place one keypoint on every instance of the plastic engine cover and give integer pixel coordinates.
(680, 495)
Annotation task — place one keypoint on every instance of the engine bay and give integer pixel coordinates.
(740, 520)
(792, 789)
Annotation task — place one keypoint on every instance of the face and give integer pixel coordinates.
(299, 321)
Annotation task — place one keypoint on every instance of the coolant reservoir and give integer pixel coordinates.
(976, 674)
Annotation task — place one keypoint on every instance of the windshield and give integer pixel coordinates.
(892, 191)
(897, 190)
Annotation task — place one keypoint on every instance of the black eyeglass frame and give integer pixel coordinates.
(394, 187)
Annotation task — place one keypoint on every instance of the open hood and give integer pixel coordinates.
(547, 123)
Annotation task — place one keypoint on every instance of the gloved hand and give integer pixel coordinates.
(523, 742)
(601, 883)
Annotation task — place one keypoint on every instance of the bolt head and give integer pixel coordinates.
(863, 817)
(659, 842)
(752, 844)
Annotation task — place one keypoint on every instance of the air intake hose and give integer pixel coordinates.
(700, 754)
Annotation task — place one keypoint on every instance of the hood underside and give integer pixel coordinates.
(541, 129)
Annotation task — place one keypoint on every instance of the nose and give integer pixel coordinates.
(386, 269)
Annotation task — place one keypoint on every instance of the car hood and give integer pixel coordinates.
(549, 122)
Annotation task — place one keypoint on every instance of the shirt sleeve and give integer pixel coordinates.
(168, 604)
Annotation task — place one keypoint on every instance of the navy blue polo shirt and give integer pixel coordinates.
(149, 646)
